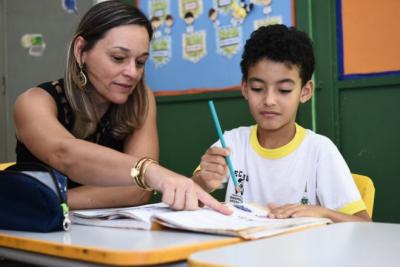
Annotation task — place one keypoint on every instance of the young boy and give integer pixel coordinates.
(294, 171)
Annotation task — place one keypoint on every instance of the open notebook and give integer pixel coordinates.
(247, 221)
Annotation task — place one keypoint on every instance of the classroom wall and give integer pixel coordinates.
(18, 69)
(358, 113)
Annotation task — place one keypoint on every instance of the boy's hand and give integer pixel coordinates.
(213, 168)
(295, 210)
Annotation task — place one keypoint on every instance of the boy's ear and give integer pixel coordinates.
(244, 89)
(307, 91)
(79, 44)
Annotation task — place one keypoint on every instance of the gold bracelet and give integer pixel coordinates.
(136, 170)
(139, 170)
(143, 169)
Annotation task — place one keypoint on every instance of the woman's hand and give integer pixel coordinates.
(180, 192)
(213, 168)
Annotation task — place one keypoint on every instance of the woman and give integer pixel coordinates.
(98, 125)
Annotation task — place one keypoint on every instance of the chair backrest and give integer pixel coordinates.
(367, 191)
(5, 165)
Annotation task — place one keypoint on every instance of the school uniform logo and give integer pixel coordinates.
(237, 197)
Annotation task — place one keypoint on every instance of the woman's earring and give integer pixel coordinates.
(82, 78)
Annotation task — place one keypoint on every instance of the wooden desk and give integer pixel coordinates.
(341, 244)
(109, 246)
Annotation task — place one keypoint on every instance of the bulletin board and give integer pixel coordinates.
(200, 50)
(368, 38)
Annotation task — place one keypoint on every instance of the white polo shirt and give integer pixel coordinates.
(309, 166)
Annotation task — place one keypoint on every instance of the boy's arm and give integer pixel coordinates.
(342, 217)
(297, 210)
(198, 179)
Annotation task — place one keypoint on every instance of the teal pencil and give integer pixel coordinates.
(221, 138)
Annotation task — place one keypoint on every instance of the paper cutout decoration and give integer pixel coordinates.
(194, 46)
(159, 8)
(240, 12)
(161, 22)
(155, 24)
(189, 19)
(160, 50)
(248, 7)
(267, 21)
(168, 23)
(35, 43)
(267, 5)
(213, 16)
(228, 40)
(193, 6)
(223, 6)
(69, 6)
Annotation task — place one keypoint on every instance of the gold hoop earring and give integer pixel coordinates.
(82, 78)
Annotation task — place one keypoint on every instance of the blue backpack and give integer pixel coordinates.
(33, 197)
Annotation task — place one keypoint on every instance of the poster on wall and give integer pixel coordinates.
(197, 44)
(365, 50)
(228, 40)
(194, 46)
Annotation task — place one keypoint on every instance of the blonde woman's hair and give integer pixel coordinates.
(94, 25)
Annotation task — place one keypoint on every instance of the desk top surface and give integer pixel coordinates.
(114, 246)
(340, 244)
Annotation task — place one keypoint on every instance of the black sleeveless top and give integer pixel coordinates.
(101, 136)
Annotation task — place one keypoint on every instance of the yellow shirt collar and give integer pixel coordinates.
(279, 152)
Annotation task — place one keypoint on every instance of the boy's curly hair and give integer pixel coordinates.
(281, 44)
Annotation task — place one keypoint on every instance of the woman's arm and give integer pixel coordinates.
(94, 197)
(142, 143)
(35, 116)
(37, 127)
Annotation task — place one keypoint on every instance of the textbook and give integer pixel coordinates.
(139, 217)
(248, 221)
